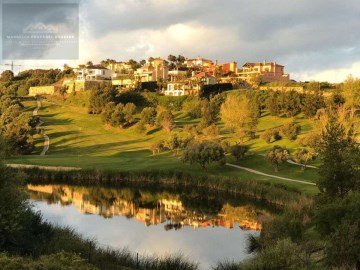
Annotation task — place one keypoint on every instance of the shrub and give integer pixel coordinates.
(226, 146)
(291, 130)
(277, 156)
(193, 108)
(165, 119)
(158, 147)
(303, 156)
(239, 151)
(267, 136)
(148, 116)
(211, 131)
(311, 139)
(204, 153)
(191, 129)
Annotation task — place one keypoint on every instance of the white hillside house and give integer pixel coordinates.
(93, 73)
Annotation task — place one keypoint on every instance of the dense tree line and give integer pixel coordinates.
(20, 84)
(17, 127)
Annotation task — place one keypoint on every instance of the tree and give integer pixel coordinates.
(204, 153)
(90, 63)
(277, 156)
(193, 108)
(313, 100)
(165, 119)
(172, 58)
(158, 147)
(303, 156)
(270, 134)
(291, 130)
(209, 113)
(118, 115)
(272, 104)
(129, 111)
(238, 151)
(211, 131)
(340, 156)
(351, 92)
(311, 139)
(292, 103)
(254, 114)
(7, 75)
(235, 111)
(148, 116)
(255, 80)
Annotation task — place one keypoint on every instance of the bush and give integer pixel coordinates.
(191, 129)
(119, 115)
(158, 147)
(303, 156)
(291, 130)
(239, 151)
(148, 116)
(193, 108)
(270, 134)
(204, 153)
(165, 119)
(277, 156)
(226, 146)
(211, 131)
(311, 139)
(132, 97)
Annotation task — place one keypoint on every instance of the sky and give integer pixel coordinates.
(313, 39)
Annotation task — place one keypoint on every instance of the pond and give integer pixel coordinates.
(204, 227)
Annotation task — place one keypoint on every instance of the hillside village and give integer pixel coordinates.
(176, 76)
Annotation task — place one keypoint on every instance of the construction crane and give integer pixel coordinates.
(11, 65)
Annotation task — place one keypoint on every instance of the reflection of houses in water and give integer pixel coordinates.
(165, 210)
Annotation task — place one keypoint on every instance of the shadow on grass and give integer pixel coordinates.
(152, 131)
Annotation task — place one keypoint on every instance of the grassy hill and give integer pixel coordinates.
(80, 139)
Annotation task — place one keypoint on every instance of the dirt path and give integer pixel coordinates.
(298, 164)
(38, 127)
(269, 175)
(295, 163)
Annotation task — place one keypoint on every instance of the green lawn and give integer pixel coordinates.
(81, 140)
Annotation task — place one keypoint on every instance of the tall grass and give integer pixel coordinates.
(67, 240)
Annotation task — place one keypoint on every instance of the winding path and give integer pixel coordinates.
(38, 127)
(269, 175)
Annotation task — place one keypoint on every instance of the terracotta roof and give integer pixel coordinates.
(203, 74)
(96, 67)
(247, 64)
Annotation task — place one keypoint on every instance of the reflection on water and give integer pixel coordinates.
(151, 209)
(225, 222)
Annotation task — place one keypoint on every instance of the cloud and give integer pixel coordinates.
(336, 75)
(306, 36)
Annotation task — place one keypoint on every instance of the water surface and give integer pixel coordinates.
(205, 227)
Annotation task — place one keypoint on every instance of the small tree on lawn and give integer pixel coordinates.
(291, 130)
(129, 111)
(148, 116)
(166, 120)
(211, 131)
(303, 156)
(277, 156)
(204, 153)
(158, 147)
(239, 151)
